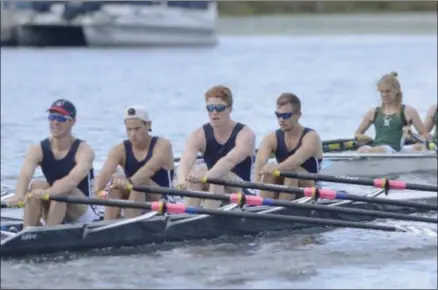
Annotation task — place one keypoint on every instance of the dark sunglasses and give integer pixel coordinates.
(59, 118)
(285, 116)
(219, 108)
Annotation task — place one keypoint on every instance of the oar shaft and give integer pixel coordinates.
(240, 199)
(379, 183)
(321, 193)
(297, 219)
(255, 185)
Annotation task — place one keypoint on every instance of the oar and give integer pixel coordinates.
(342, 145)
(179, 208)
(323, 193)
(430, 145)
(241, 199)
(379, 183)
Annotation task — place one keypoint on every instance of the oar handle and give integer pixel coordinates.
(20, 204)
(430, 145)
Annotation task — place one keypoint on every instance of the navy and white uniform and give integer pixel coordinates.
(311, 165)
(54, 169)
(162, 177)
(215, 151)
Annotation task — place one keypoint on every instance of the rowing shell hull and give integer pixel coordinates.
(45, 240)
(363, 164)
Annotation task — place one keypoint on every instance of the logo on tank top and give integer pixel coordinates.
(387, 121)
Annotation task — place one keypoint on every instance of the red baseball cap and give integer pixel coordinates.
(63, 107)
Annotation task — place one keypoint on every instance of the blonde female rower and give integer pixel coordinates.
(391, 120)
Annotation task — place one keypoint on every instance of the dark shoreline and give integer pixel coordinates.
(247, 8)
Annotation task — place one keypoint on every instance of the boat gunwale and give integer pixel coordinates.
(381, 156)
(235, 228)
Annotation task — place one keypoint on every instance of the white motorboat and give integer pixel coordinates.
(119, 23)
(152, 23)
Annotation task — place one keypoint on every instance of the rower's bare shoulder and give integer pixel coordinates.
(85, 147)
(269, 140)
(164, 144)
(196, 138)
(117, 151)
(85, 152)
(34, 152)
(432, 111)
(369, 115)
(247, 132)
(410, 111)
(312, 136)
(270, 136)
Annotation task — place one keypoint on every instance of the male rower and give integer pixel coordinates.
(67, 165)
(295, 148)
(145, 159)
(226, 146)
(391, 120)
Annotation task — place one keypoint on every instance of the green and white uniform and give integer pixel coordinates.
(389, 130)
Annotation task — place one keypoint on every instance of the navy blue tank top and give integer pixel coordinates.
(162, 177)
(311, 165)
(215, 151)
(55, 169)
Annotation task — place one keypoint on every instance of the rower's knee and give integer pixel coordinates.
(116, 193)
(38, 184)
(31, 202)
(289, 182)
(138, 196)
(270, 179)
(418, 147)
(364, 149)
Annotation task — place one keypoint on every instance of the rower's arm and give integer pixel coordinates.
(113, 160)
(194, 144)
(84, 163)
(365, 125)
(413, 118)
(160, 159)
(429, 120)
(244, 147)
(33, 157)
(309, 147)
(266, 148)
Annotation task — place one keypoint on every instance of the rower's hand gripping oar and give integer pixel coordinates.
(378, 183)
(430, 145)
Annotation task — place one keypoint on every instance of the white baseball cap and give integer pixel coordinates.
(137, 112)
